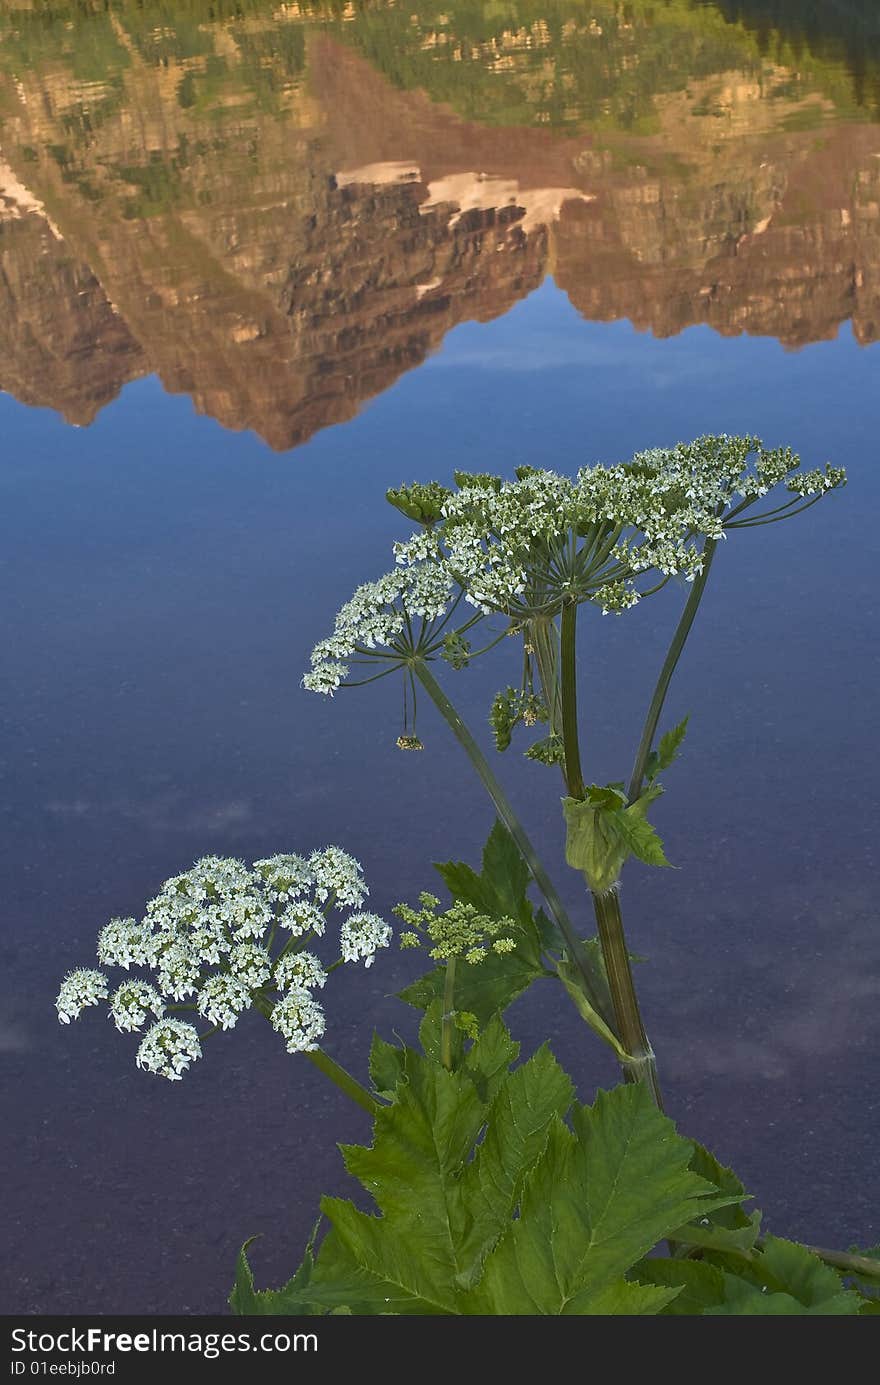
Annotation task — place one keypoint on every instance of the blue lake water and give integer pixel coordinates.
(164, 581)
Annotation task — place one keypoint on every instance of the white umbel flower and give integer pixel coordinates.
(301, 916)
(339, 875)
(299, 1020)
(251, 964)
(362, 935)
(80, 989)
(299, 969)
(168, 1049)
(285, 877)
(131, 1004)
(177, 972)
(125, 942)
(222, 999)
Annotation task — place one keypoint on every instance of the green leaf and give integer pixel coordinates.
(484, 990)
(700, 1285)
(516, 1134)
(501, 892)
(727, 1228)
(386, 1066)
(667, 751)
(490, 1204)
(641, 838)
(488, 1059)
(505, 871)
(625, 1299)
(599, 1199)
(786, 1280)
(601, 834)
(570, 977)
(245, 1300)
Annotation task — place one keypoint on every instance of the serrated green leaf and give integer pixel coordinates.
(744, 1300)
(728, 1228)
(794, 1269)
(516, 1133)
(785, 1279)
(377, 1273)
(386, 1066)
(431, 1030)
(486, 989)
(700, 1285)
(463, 883)
(488, 1059)
(505, 871)
(597, 1200)
(641, 838)
(601, 834)
(667, 751)
(625, 1299)
(246, 1300)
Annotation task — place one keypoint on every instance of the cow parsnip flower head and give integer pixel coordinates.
(527, 547)
(459, 931)
(223, 938)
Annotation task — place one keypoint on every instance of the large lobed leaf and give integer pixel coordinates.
(601, 1196)
(490, 1204)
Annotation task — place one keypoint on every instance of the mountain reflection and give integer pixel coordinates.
(281, 209)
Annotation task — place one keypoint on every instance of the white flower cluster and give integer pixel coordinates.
(526, 547)
(376, 617)
(79, 989)
(207, 940)
(168, 1049)
(362, 935)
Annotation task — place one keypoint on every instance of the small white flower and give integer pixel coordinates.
(251, 964)
(222, 999)
(302, 969)
(245, 915)
(168, 1049)
(362, 935)
(299, 1020)
(302, 917)
(339, 875)
(325, 678)
(209, 943)
(132, 1002)
(122, 942)
(177, 971)
(80, 989)
(286, 877)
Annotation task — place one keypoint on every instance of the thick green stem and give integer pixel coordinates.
(544, 639)
(568, 685)
(343, 1080)
(447, 1023)
(655, 709)
(630, 1028)
(506, 813)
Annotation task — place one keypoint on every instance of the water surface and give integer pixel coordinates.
(270, 262)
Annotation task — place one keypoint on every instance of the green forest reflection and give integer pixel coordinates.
(281, 207)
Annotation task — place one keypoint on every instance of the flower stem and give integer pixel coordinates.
(655, 709)
(568, 696)
(329, 1067)
(544, 639)
(630, 1027)
(447, 1022)
(343, 1080)
(506, 813)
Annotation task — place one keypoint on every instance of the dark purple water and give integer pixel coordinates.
(163, 583)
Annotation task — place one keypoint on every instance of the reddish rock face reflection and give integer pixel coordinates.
(282, 268)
